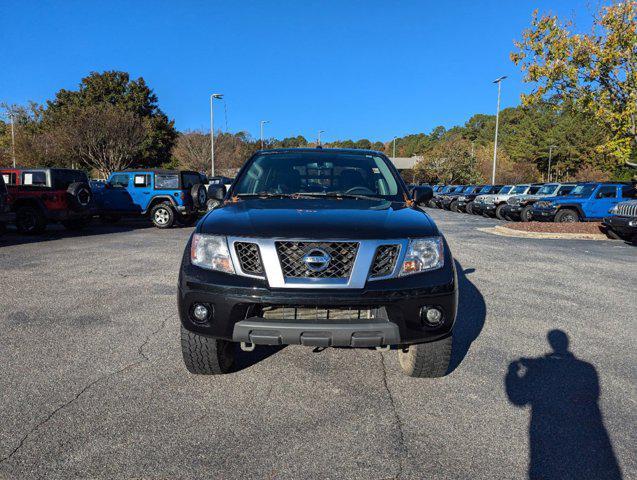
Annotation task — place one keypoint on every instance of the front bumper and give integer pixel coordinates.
(238, 302)
(544, 215)
(624, 226)
(511, 210)
(484, 208)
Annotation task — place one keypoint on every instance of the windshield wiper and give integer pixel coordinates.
(342, 195)
(270, 195)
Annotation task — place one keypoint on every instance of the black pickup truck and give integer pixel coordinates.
(318, 247)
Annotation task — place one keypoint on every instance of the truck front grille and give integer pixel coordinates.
(249, 258)
(341, 258)
(627, 209)
(384, 261)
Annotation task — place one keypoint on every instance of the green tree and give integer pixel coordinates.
(596, 71)
(133, 96)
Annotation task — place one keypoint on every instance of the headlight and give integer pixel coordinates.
(423, 254)
(211, 252)
(614, 210)
(462, 199)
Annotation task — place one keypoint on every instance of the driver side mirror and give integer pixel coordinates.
(217, 192)
(422, 194)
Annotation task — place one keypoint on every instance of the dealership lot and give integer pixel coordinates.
(92, 382)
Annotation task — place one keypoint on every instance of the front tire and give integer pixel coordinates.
(205, 355)
(469, 208)
(30, 220)
(567, 215)
(498, 212)
(163, 215)
(426, 360)
(454, 207)
(525, 214)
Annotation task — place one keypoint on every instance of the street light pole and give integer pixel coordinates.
(497, 121)
(262, 123)
(548, 175)
(12, 139)
(394, 154)
(212, 134)
(319, 136)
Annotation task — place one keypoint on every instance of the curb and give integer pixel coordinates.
(509, 232)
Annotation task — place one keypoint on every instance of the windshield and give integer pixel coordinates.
(469, 189)
(547, 189)
(486, 189)
(506, 189)
(519, 189)
(318, 173)
(458, 189)
(583, 190)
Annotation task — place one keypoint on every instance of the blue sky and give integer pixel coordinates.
(356, 69)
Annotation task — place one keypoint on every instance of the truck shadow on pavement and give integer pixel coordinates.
(567, 436)
(470, 317)
(245, 360)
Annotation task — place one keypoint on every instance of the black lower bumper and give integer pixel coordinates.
(237, 304)
(512, 211)
(484, 208)
(624, 226)
(543, 215)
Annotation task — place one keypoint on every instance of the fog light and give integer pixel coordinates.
(200, 312)
(632, 223)
(431, 316)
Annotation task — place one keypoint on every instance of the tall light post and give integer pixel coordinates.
(319, 136)
(263, 122)
(551, 147)
(497, 121)
(394, 150)
(218, 96)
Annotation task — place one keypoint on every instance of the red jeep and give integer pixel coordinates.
(39, 196)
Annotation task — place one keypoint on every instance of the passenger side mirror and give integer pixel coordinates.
(217, 192)
(422, 194)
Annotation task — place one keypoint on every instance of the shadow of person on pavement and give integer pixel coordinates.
(567, 437)
(470, 317)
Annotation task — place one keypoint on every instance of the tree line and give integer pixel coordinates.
(581, 110)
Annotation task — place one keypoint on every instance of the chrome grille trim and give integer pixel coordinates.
(273, 272)
(249, 257)
(385, 262)
(627, 209)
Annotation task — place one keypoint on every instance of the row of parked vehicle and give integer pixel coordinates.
(33, 198)
(612, 203)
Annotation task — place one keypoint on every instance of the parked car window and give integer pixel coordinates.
(583, 190)
(34, 178)
(61, 179)
(505, 190)
(141, 180)
(320, 173)
(9, 178)
(565, 190)
(628, 191)
(166, 181)
(190, 179)
(533, 189)
(119, 180)
(548, 189)
(519, 189)
(606, 191)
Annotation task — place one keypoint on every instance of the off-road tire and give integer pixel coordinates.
(567, 215)
(163, 215)
(498, 211)
(454, 206)
(432, 204)
(525, 214)
(612, 234)
(469, 208)
(30, 220)
(79, 195)
(426, 360)
(205, 355)
(199, 195)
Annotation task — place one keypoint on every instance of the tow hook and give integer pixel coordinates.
(383, 348)
(247, 347)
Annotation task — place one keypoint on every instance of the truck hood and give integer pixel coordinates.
(317, 219)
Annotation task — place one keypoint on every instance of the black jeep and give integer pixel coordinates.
(323, 248)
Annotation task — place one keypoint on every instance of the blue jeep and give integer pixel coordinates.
(167, 196)
(587, 202)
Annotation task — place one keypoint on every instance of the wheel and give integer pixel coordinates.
(454, 206)
(567, 216)
(525, 214)
(426, 360)
(188, 220)
(163, 215)
(612, 234)
(469, 208)
(498, 211)
(79, 195)
(30, 220)
(76, 224)
(205, 355)
(199, 195)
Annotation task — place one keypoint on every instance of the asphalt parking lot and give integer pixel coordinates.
(92, 383)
